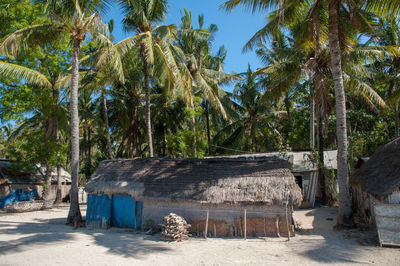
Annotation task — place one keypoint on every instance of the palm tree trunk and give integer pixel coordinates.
(47, 178)
(109, 150)
(345, 216)
(193, 128)
(287, 105)
(312, 119)
(208, 130)
(74, 215)
(396, 120)
(321, 175)
(147, 100)
(58, 193)
(351, 161)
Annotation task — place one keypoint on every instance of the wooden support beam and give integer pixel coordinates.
(206, 229)
(245, 224)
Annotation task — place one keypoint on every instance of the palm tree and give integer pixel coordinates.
(287, 10)
(49, 109)
(76, 18)
(245, 131)
(204, 71)
(141, 17)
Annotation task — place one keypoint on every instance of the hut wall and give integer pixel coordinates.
(394, 198)
(224, 219)
(8, 188)
(363, 203)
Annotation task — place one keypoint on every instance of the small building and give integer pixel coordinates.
(13, 177)
(224, 195)
(377, 182)
(303, 168)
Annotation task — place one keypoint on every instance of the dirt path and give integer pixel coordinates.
(41, 238)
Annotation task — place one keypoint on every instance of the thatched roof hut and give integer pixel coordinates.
(267, 181)
(380, 175)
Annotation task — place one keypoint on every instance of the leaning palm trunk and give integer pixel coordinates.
(345, 217)
(109, 150)
(74, 215)
(147, 100)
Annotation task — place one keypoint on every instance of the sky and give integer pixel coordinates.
(234, 28)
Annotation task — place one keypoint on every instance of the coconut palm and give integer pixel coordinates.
(47, 115)
(287, 10)
(76, 18)
(157, 54)
(204, 71)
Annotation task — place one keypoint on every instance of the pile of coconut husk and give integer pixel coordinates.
(175, 228)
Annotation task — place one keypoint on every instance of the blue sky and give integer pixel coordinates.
(235, 28)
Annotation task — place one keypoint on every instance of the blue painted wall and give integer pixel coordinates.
(98, 207)
(121, 210)
(139, 209)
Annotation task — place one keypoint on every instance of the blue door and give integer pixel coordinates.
(123, 211)
(139, 208)
(98, 210)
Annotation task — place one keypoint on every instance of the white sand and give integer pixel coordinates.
(41, 238)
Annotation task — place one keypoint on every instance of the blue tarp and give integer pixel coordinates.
(138, 214)
(123, 211)
(98, 209)
(16, 196)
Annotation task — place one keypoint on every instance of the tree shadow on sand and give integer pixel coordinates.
(324, 244)
(33, 235)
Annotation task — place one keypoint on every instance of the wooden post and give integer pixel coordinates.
(277, 226)
(206, 229)
(265, 224)
(197, 230)
(215, 230)
(245, 224)
(287, 223)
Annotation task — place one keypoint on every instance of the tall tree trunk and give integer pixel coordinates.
(351, 161)
(396, 120)
(47, 178)
(208, 130)
(287, 105)
(105, 114)
(74, 215)
(321, 175)
(345, 216)
(312, 119)
(58, 193)
(193, 129)
(147, 100)
(164, 142)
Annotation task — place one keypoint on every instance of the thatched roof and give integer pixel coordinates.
(19, 173)
(266, 181)
(299, 161)
(380, 175)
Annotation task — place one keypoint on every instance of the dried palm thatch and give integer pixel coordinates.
(380, 175)
(237, 181)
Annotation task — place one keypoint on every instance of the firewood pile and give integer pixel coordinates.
(175, 228)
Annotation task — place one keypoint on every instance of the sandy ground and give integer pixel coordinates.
(41, 238)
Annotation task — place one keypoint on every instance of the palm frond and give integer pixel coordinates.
(25, 74)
